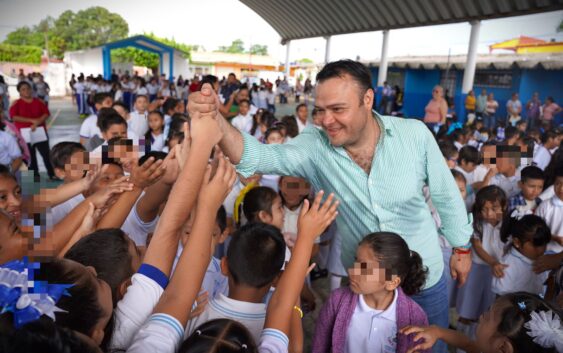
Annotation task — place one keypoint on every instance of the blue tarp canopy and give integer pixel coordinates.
(143, 43)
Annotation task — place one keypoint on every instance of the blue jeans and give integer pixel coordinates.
(489, 121)
(434, 302)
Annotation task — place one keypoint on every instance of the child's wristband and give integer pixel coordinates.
(298, 309)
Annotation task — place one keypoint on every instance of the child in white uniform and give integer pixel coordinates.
(551, 210)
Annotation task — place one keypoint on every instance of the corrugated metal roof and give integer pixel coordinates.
(552, 61)
(296, 19)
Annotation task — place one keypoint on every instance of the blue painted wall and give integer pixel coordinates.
(546, 83)
(418, 91)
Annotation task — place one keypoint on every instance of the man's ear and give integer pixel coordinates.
(224, 266)
(368, 98)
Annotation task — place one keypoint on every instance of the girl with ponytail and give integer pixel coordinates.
(384, 274)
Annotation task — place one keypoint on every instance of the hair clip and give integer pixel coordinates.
(522, 305)
(244, 346)
(198, 332)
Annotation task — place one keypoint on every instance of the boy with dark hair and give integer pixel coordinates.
(542, 155)
(302, 115)
(89, 128)
(467, 161)
(551, 210)
(450, 153)
(531, 186)
(254, 259)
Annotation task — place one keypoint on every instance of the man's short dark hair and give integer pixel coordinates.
(100, 97)
(469, 154)
(256, 254)
(358, 71)
(61, 152)
(531, 172)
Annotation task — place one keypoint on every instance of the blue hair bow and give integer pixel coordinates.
(454, 127)
(28, 303)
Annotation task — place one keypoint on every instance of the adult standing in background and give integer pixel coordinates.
(514, 109)
(550, 111)
(533, 110)
(29, 112)
(481, 104)
(436, 110)
(490, 112)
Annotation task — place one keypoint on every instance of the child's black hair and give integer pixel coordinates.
(517, 313)
(5, 172)
(109, 120)
(61, 152)
(529, 228)
(100, 97)
(221, 218)
(291, 128)
(219, 336)
(459, 133)
(469, 154)
(271, 130)
(555, 167)
(122, 105)
(491, 193)
(169, 105)
(394, 255)
(258, 199)
(549, 134)
(42, 335)
(448, 149)
(531, 172)
(458, 175)
(511, 132)
(107, 250)
(255, 255)
(103, 113)
(157, 155)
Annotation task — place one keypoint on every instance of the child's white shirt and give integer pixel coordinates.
(490, 242)
(62, 210)
(542, 157)
(519, 276)
(551, 211)
(290, 222)
(508, 184)
(243, 122)
(138, 123)
(372, 330)
(158, 142)
(152, 89)
(89, 127)
(141, 91)
(136, 228)
(131, 313)
(79, 87)
(251, 315)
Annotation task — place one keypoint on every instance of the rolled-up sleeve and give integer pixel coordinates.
(295, 158)
(457, 225)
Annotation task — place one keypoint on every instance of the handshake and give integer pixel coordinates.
(207, 124)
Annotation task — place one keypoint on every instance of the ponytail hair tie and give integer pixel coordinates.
(244, 346)
(198, 332)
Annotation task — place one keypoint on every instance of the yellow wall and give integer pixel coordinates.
(545, 48)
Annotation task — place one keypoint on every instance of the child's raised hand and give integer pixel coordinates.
(314, 219)
(172, 169)
(215, 189)
(205, 129)
(498, 270)
(200, 305)
(429, 335)
(183, 149)
(148, 173)
(91, 218)
(103, 197)
(92, 176)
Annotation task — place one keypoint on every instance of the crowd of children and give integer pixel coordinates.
(153, 243)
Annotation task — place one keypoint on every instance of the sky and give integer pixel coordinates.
(212, 23)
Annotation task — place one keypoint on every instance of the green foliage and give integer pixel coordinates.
(20, 53)
(237, 47)
(560, 28)
(258, 49)
(136, 56)
(305, 61)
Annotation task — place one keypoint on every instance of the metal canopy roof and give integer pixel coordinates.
(297, 19)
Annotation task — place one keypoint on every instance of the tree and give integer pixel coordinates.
(258, 49)
(236, 47)
(560, 28)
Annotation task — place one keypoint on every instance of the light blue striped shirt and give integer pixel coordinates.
(389, 199)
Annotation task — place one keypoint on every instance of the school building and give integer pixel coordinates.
(501, 74)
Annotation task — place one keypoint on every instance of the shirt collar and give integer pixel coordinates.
(389, 313)
(519, 256)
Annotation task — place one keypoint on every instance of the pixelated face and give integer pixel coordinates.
(489, 155)
(492, 212)
(243, 108)
(487, 339)
(141, 104)
(77, 166)
(10, 197)
(462, 188)
(124, 153)
(531, 188)
(506, 163)
(294, 190)
(558, 187)
(343, 109)
(156, 122)
(115, 130)
(274, 138)
(368, 275)
(110, 174)
(302, 113)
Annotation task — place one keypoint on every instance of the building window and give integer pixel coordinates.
(496, 79)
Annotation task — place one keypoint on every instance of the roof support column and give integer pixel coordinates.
(287, 48)
(469, 73)
(106, 60)
(327, 49)
(171, 65)
(382, 76)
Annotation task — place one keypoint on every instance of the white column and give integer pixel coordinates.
(382, 76)
(327, 49)
(287, 47)
(471, 63)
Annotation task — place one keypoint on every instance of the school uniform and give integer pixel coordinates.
(551, 211)
(476, 295)
(157, 142)
(138, 123)
(127, 93)
(62, 210)
(81, 98)
(508, 184)
(251, 315)
(519, 276)
(137, 229)
(458, 145)
(134, 310)
(89, 127)
(542, 157)
(152, 91)
(9, 149)
(243, 122)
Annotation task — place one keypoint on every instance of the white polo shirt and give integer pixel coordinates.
(372, 330)
(542, 157)
(89, 127)
(551, 211)
(508, 184)
(519, 276)
(138, 123)
(243, 122)
(9, 148)
(491, 243)
(251, 315)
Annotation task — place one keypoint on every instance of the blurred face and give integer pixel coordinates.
(156, 122)
(115, 130)
(452, 161)
(112, 173)
(462, 188)
(484, 92)
(491, 96)
(492, 212)
(487, 338)
(276, 215)
(522, 127)
(529, 250)
(141, 104)
(505, 165)
(180, 108)
(531, 188)
(344, 111)
(243, 109)
(10, 198)
(25, 92)
(274, 138)
(558, 187)
(106, 103)
(122, 112)
(489, 155)
(13, 244)
(515, 97)
(368, 275)
(294, 191)
(437, 92)
(467, 166)
(302, 113)
(78, 164)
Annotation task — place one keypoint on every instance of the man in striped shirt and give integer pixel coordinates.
(376, 166)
